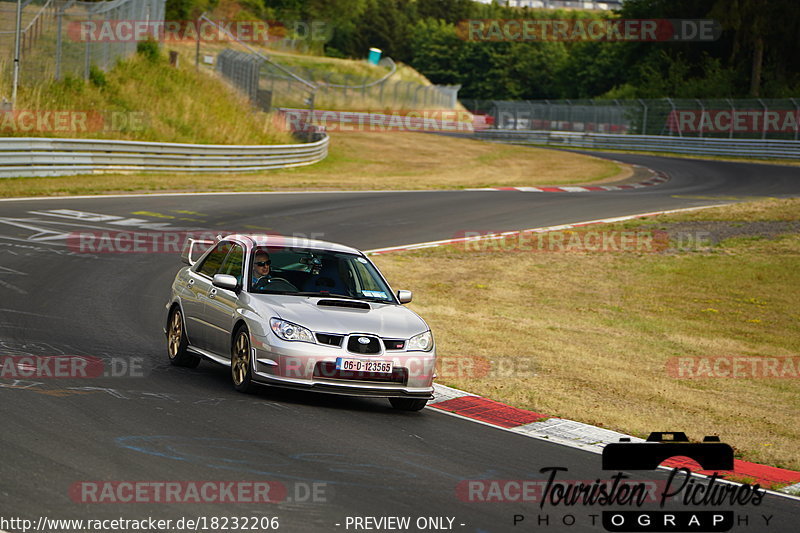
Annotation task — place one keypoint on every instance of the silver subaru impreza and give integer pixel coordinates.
(299, 313)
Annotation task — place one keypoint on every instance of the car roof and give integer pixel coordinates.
(260, 240)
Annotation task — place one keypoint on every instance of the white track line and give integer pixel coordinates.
(431, 244)
(219, 193)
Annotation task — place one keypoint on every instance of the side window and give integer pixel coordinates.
(214, 260)
(234, 263)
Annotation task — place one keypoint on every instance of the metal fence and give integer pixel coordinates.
(323, 88)
(36, 16)
(758, 118)
(61, 157)
(65, 37)
(756, 148)
(242, 70)
(275, 81)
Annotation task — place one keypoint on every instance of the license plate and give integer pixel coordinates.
(363, 365)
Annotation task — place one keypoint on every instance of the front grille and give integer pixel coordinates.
(327, 370)
(374, 346)
(394, 344)
(332, 340)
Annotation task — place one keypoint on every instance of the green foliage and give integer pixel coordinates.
(331, 51)
(149, 49)
(724, 67)
(257, 7)
(435, 51)
(70, 84)
(591, 69)
(450, 11)
(97, 77)
(188, 9)
(425, 34)
(143, 100)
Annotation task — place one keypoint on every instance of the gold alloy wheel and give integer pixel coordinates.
(175, 334)
(241, 358)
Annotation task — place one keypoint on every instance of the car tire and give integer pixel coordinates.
(407, 404)
(241, 362)
(177, 343)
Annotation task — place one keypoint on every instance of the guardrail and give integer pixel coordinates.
(757, 148)
(32, 157)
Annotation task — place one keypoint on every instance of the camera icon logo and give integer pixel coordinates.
(711, 454)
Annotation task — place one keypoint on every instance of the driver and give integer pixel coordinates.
(261, 263)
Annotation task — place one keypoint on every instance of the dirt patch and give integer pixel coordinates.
(716, 231)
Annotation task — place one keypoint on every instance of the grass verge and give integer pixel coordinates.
(360, 161)
(595, 336)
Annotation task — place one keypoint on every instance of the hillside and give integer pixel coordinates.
(142, 98)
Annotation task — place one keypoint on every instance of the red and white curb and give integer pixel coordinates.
(657, 179)
(583, 436)
(538, 425)
(504, 234)
(792, 489)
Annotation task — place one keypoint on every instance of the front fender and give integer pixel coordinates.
(256, 324)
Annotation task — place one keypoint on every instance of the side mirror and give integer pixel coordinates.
(404, 296)
(225, 281)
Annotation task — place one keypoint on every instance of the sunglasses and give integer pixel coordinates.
(263, 263)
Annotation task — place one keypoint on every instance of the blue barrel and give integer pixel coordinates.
(375, 55)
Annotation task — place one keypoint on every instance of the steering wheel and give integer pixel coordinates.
(275, 284)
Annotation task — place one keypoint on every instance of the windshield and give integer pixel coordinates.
(308, 272)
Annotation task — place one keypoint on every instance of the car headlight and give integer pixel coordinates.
(422, 342)
(290, 332)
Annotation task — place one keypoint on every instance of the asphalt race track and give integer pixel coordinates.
(171, 424)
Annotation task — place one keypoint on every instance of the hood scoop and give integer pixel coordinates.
(350, 304)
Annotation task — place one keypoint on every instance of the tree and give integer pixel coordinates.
(748, 19)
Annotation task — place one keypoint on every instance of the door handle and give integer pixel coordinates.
(212, 293)
(191, 282)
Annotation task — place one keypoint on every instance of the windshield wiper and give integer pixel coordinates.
(270, 291)
(346, 296)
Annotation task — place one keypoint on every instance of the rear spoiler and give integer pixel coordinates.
(190, 248)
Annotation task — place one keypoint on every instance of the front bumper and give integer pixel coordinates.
(307, 366)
